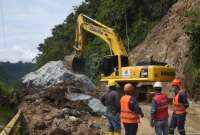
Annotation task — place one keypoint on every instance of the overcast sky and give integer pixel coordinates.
(27, 23)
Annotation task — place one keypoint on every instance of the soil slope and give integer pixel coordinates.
(168, 42)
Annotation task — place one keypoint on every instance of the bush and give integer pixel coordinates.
(4, 89)
(192, 67)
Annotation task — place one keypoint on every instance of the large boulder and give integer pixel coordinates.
(55, 72)
(94, 104)
(97, 106)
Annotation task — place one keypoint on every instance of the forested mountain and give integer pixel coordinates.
(12, 72)
(139, 16)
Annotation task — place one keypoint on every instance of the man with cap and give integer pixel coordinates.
(159, 110)
(180, 104)
(112, 102)
(130, 110)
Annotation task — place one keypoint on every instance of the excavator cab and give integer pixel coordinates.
(110, 64)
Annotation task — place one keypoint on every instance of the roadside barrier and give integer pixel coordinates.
(7, 130)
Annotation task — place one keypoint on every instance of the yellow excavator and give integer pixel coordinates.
(116, 66)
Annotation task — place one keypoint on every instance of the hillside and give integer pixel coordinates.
(12, 72)
(168, 41)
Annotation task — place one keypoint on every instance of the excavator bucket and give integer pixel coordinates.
(78, 64)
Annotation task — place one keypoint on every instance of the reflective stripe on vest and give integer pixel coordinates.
(162, 107)
(178, 107)
(161, 113)
(126, 114)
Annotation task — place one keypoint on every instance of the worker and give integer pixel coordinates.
(180, 104)
(130, 110)
(159, 110)
(112, 102)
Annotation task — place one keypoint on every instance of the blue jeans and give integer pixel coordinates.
(177, 121)
(161, 127)
(113, 122)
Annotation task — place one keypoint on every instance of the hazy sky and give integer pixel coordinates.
(27, 23)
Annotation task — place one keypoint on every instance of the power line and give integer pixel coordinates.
(2, 23)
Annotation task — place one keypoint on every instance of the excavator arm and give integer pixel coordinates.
(85, 23)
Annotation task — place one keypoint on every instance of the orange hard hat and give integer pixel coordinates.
(128, 87)
(176, 82)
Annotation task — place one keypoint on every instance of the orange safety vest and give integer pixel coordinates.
(127, 115)
(178, 107)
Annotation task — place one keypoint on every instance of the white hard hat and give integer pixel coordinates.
(157, 85)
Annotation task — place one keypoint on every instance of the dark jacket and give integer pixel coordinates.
(133, 105)
(112, 101)
(184, 99)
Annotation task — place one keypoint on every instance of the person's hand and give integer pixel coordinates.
(152, 123)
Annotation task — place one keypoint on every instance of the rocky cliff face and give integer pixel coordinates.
(168, 42)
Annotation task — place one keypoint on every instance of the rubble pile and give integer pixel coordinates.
(61, 102)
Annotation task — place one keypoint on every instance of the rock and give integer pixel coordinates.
(55, 72)
(40, 126)
(72, 112)
(58, 131)
(78, 97)
(48, 117)
(46, 110)
(94, 126)
(30, 98)
(84, 130)
(60, 123)
(59, 115)
(37, 102)
(96, 106)
(55, 113)
(68, 131)
(68, 61)
(73, 119)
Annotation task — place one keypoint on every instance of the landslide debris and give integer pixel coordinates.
(60, 102)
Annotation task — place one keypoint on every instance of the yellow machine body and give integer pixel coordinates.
(142, 74)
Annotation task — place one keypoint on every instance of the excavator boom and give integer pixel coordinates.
(85, 23)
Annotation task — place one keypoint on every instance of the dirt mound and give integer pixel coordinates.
(167, 42)
(60, 102)
(61, 109)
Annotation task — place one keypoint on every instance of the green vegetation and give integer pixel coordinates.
(192, 68)
(6, 114)
(138, 15)
(11, 73)
(10, 92)
(6, 110)
(4, 89)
